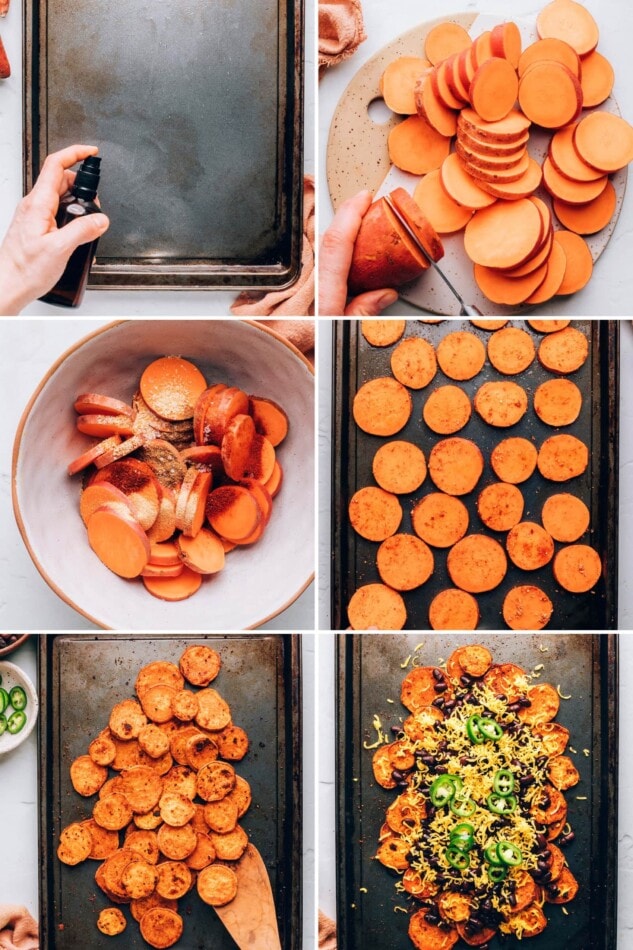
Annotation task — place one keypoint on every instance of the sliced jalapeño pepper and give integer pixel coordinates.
(491, 855)
(497, 873)
(442, 790)
(472, 730)
(509, 854)
(463, 807)
(457, 859)
(17, 698)
(16, 722)
(3, 723)
(503, 782)
(4, 699)
(501, 804)
(463, 829)
(490, 728)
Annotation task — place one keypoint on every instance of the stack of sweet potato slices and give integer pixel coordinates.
(179, 478)
(487, 94)
(167, 820)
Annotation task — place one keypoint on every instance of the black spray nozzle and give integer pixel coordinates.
(87, 179)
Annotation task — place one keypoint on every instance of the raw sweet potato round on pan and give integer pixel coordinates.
(527, 608)
(577, 568)
(514, 460)
(500, 506)
(382, 406)
(374, 513)
(413, 362)
(477, 563)
(501, 403)
(564, 351)
(461, 355)
(562, 457)
(376, 607)
(404, 562)
(455, 465)
(529, 546)
(558, 402)
(447, 410)
(440, 519)
(382, 332)
(453, 609)
(511, 350)
(565, 517)
(399, 467)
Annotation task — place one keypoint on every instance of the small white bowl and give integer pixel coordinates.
(12, 676)
(258, 581)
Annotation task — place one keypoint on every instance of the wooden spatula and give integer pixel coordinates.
(250, 917)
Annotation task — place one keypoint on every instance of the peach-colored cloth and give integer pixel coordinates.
(327, 933)
(18, 930)
(298, 299)
(299, 332)
(341, 30)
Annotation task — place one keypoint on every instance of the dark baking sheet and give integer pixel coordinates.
(81, 678)
(370, 674)
(354, 558)
(197, 112)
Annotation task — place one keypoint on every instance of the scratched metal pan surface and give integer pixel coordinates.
(81, 678)
(370, 675)
(197, 112)
(354, 558)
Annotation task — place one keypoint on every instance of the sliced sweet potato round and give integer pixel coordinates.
(500, 506)
(604, 141)
(461, 355)
(404, 562)
(562, 772)
(111, 921)
(118, 540)
(501, 403)
(415, 144)
(444, 213)
(75, 844)
(579, 264)
(447, 410)
(199, 664)
(161, 927)
(453, 609)
(519, 222)
(440, 519)
(562, 457)
(217, 885)
(413, 362)
(382, 332)
(419, 687)
(374, 513)
(514, 460)
(455, 465)
(527, 608)
(577, 568)
(376, 606)
(477, 563)
(511, 350)
(399, 467)
(269, 418)
(427, 936)
(529, 546)
(588, 218)
(553, 735)
(565, 517)
(382, 406)
(558, 402)
(544, 704)
(86, 776)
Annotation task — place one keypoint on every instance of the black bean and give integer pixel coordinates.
(397, 776)
(567, 839)
(465, 680)
(440, 687)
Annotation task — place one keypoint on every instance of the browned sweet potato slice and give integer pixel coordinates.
(176, 843)
(111, 921)
(562, 772)
(221, 816)
(544, 704)
(199, 664)
(426, 936)
(161, 927)
(217, 885)
(563, 890)
(418, 687)
(75, 844)
(86, 776)
(408, 809)
(393, 853)
(382, 768)
(213, 712)
(553, 735)
(160, 672)
(507, 679)
(215, 781)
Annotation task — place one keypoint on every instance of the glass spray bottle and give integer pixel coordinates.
(69, 289)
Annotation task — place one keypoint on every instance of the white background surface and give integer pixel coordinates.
(326, 642)
(610, 289)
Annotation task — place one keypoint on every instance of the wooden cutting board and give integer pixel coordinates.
(358, 158)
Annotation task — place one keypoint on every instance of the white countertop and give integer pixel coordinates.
(610, 289)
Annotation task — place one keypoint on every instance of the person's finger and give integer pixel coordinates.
(371, 303)
(335, 255)
(80, 231)
(51, 177)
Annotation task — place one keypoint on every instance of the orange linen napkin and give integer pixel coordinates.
(341, 30)
(298, 332)
(327, 933)
(18, 930)
(298, 299)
